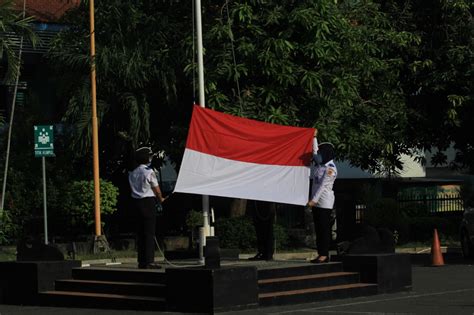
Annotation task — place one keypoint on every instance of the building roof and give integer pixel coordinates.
(47, 10)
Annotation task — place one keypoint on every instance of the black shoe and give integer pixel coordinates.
(153, 266)
(150, 266)
(259, 256)
(318, 260)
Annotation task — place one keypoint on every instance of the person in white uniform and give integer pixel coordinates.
(146, 194)
(322, 197)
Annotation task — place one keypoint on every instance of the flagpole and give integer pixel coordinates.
(95, 132)
(202, 103)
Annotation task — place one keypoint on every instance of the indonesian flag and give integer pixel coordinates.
(236, 157)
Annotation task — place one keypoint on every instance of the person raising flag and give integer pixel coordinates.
(322, 197)
(146, 195)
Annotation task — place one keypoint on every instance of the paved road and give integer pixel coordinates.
(442, 290)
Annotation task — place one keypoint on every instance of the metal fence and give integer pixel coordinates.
(427, 204)
(439, 203)
(359, 212)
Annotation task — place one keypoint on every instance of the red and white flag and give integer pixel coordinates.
(242, 158)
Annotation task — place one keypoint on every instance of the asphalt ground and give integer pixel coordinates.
(436, 290)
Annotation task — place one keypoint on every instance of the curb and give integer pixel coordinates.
(306, 255)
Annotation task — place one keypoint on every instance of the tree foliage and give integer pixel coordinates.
(364, 73)
(377, 78)
(23, 215)
(439, 80)
(136, 75)
(12, 26)
(79, 200)
(333, 66)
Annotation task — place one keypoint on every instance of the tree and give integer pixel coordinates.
(438, 80)
(359, 71)
(12, 26)
(333, 66)
(137, 58)
(79, 202)
(336, 67)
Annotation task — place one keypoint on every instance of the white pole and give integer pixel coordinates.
(10, 125)
(45, 209)
(202, 103)
(202, 100)
(212, 232)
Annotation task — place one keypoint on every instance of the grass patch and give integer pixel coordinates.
(7, 253)
(450, 242)
(113, 254)
(414, 245)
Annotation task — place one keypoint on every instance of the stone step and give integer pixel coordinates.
(307, 281)
(101, 300)
(111, 287)
(298, 270)
(120, 274)
(317, 294)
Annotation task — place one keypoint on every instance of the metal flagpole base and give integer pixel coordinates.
(100, 244)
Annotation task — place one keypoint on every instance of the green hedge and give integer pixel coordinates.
(236, 233)
(281, 236)
(384, 213)
(411, 223)
(421, 228)
(240, 233)
(79, 202)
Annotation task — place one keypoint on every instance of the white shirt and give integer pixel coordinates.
(323, 181)
(141, 180)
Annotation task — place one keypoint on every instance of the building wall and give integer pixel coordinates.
(411, 169)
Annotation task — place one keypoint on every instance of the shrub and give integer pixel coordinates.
(193, 219)
(239, 232)
(79, 201)
(23, 208)
(467, 194)
(9, 230)
(384, 213)
(281, 236)
(414, 209)
(421, 228)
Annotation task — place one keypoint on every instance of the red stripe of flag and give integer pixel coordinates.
(247, 140)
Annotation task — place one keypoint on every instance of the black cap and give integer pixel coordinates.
(143, 154)
(326, 150)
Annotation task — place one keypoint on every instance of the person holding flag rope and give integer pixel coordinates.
(146, 196)
(322, 197)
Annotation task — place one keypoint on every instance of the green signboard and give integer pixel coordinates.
(44, 141)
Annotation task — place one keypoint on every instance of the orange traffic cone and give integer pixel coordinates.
(436, 255)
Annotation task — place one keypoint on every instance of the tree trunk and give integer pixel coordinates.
(238, 207)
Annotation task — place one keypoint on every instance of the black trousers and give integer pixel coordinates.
(322, 226)
(263, 217)
(146, 225)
